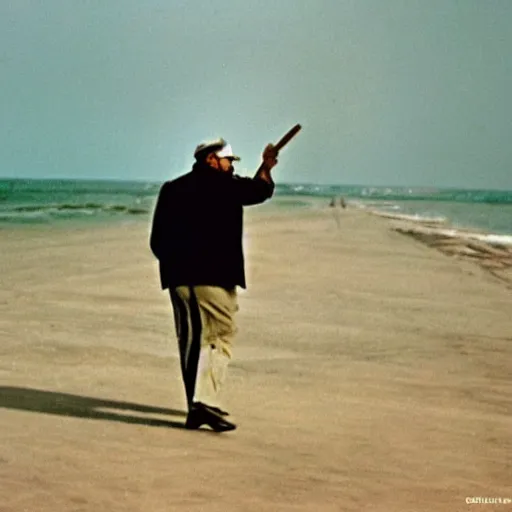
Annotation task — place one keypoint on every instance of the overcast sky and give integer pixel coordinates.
(389, 92)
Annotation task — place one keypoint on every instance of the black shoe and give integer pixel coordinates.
(220, 411)
(201, 414)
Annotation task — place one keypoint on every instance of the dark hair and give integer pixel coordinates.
(201, 157)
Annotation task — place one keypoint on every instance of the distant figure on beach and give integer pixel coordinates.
(197, 237)
(333, 201)
(336, 212)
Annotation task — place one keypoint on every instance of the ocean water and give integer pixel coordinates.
(59, 201)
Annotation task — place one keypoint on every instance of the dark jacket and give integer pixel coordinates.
(198, 224)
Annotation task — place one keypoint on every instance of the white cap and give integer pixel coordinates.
(227, 152)
(220, 147)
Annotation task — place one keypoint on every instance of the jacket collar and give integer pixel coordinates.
(209, 171)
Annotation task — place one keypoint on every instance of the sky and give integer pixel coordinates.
(389, 92)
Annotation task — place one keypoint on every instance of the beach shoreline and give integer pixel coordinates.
(491, 252)
(89, 201)
(370, 373)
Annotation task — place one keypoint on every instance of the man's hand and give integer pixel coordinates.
(269, 161)
(270, 154)
(269, 157)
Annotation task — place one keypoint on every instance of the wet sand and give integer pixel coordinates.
(371, 372)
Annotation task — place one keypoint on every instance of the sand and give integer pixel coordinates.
(491, 255)
(371, 373)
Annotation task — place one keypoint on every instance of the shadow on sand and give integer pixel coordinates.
(63, 404)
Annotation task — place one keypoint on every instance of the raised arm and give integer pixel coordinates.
(258, 189)
(269, 162)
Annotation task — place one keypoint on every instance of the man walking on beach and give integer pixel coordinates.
(197, 237)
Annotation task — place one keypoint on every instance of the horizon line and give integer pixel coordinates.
(295, 183)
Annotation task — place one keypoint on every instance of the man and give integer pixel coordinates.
(197, 238)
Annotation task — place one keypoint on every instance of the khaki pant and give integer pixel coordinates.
(204, 319)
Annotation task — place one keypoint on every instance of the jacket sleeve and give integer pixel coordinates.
(158, 240)
(249, 191)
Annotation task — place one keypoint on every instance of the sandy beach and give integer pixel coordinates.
(371, 373)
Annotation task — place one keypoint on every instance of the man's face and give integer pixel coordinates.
(226, 165)
(221, 164)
